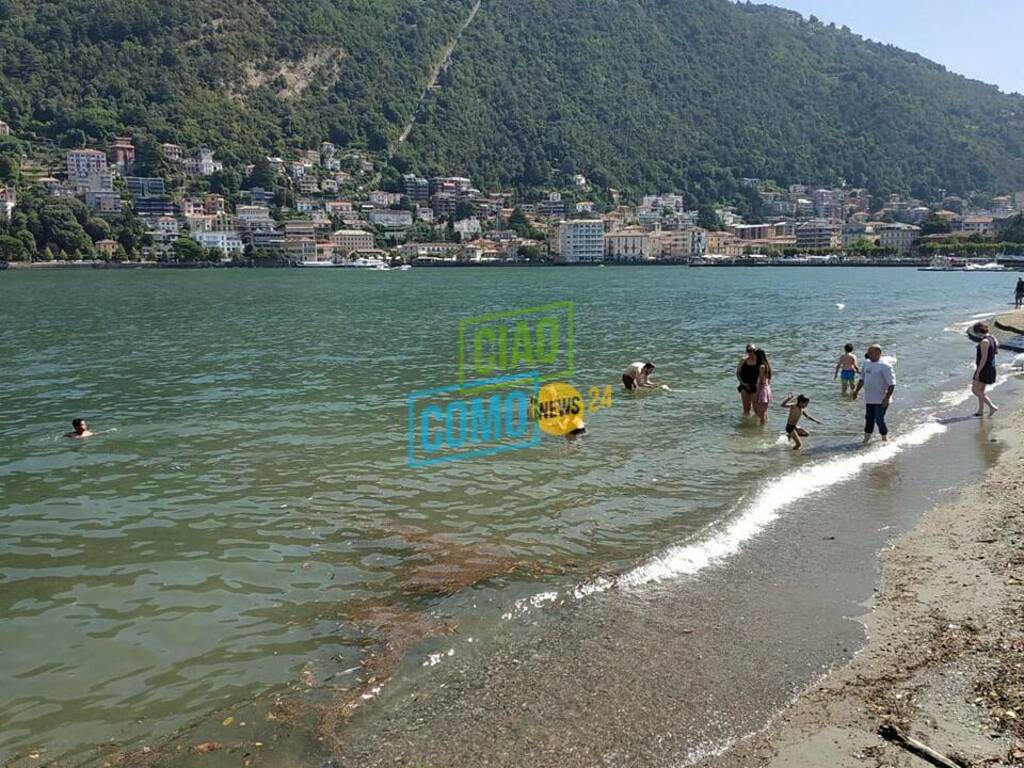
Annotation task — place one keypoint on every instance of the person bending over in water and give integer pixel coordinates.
(847, 368)
(80, 429)
(638, 375)
(797, 410)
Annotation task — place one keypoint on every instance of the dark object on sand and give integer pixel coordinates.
(891, 733)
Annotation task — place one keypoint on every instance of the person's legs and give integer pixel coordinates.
(883, 430)
(628, 382)
(748, 401)
(869, 421)
(979, 392)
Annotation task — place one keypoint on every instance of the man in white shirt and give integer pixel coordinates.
(638, 375)
(878, 382)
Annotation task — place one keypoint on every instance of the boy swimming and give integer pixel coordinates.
(80, 429)
(796, 412)
(847, 368)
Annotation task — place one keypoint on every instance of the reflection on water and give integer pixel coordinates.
(252, 522)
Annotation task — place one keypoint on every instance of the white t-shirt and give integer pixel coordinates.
(636, 371)
(878, 377)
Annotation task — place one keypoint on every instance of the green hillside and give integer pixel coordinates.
(694, 94)
(238, 75)
(637, 94)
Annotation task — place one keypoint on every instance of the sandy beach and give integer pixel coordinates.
(944, 662)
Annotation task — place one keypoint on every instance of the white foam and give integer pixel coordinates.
(687, 559)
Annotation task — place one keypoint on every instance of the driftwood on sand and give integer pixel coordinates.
(891, 733)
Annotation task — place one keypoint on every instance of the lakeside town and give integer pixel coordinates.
(328, 207)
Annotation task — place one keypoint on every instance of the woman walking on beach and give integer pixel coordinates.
(746, 374)
(1018, 293)
(984, 368)
(763, 397)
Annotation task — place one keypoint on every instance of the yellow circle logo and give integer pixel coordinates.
(559, 409)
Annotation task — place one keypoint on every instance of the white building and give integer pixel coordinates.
(8, 199)
(228, 243)
(468, 228)
(389, 219)
(203, 164)
(899, 237)
(581, 241)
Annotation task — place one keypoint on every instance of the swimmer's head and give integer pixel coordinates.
(648, 367)
(981, 328)
(79, 425)
(848, 347)
(802, 400)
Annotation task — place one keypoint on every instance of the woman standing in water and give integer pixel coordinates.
(763, 397)
(746, 374)
(984, 368)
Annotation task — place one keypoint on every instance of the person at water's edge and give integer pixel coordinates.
(1018, 293)
(878, 382)
(747, 373)
(984, 369)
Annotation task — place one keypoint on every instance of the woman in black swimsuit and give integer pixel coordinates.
(747, 374)
(984, 368)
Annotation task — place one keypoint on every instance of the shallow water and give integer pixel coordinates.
(252, 511)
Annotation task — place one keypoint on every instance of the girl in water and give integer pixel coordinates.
(763, 397)
(984, 369)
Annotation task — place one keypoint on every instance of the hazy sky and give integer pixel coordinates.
(976, 38)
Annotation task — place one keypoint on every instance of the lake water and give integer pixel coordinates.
(250, 521)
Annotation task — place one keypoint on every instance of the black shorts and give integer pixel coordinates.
(987, 375)
(629, 382)
(790, 429)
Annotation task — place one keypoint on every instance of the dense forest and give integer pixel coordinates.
(640, 95)
(240, 76)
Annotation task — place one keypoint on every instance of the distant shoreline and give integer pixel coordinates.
(83, 265)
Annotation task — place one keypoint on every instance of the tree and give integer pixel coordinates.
(464, 210)
(708, 219)
(98, 229)
(263, 174)
(933, 225)
(11, 248)
(187, 251)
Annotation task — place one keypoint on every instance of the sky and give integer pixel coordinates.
(976, 38)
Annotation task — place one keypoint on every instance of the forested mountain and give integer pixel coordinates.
(241, 76)
(637, 94)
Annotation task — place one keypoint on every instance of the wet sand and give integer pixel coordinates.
(945, 659)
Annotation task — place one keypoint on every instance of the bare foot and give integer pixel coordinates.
(867, 439)
(992, 411)
(979, 415)
(885, 438)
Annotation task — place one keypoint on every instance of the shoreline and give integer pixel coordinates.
(46, 266)
(944, 656)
